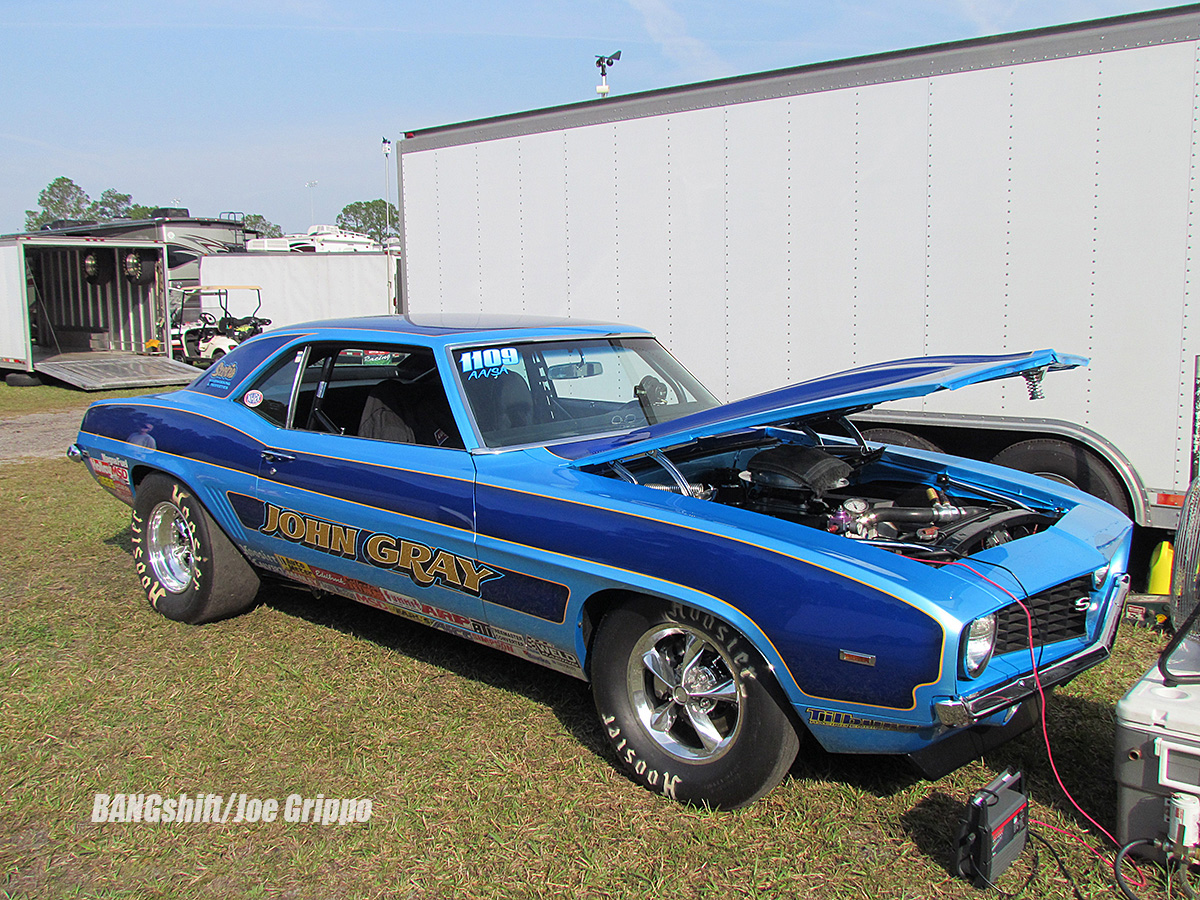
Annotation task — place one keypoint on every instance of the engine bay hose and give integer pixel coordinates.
(934, 515)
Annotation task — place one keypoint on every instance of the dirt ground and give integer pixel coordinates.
(38, 435)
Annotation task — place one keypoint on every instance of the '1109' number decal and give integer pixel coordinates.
(492, 358)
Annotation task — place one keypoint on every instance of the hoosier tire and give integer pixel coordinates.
(689, 706)
(189, 569)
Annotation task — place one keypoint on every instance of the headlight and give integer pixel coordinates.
(979, 640)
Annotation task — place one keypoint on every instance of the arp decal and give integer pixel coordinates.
(424, 564)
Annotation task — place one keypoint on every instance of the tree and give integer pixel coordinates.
(60, 199)
(255, 222)
(378, 219)
(64, 199)
(111, 205)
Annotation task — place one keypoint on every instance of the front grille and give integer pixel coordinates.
(1056, 617)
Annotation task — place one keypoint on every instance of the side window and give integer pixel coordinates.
(382, 393)
(271, 395)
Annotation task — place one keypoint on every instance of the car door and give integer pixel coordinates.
(384, 521)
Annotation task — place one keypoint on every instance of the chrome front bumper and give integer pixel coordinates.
(957, 712)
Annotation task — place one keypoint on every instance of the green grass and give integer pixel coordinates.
(19, 401)
(489, 776)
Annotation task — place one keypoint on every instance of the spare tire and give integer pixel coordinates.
(1067, 463)
(99, 266)
(139, 266)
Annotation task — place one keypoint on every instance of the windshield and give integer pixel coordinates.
(541, 392)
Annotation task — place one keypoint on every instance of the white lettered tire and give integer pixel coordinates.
(189, 569)
(689, 706)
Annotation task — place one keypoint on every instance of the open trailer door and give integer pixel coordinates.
(95, 371)
(96, 313)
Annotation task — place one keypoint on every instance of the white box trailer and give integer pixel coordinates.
(993, 195)
(91, 312)
(301, 287)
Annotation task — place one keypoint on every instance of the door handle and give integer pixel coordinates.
(271, 457)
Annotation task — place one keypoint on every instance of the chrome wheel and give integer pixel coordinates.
(169, 548)
(686, 693)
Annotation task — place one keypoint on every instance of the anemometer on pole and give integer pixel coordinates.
(602, 63)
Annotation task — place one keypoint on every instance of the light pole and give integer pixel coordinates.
(311, 217)
(387, 220)
(387, 190)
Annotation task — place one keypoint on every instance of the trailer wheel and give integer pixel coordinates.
(1068, 464)
(900, 438)
(21, 379)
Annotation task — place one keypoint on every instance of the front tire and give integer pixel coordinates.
(189, 569)
(689, 706)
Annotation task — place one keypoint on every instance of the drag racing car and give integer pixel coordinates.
(731, 578)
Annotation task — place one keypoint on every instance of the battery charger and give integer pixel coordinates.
(993, 830)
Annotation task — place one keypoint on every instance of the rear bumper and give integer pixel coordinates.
(957, 712)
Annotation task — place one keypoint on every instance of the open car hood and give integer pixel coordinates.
(841, 392)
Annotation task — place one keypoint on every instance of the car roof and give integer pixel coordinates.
(464, 327)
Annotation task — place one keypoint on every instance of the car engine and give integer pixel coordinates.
(843, 489)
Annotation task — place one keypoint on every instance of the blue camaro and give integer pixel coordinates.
(731, 578)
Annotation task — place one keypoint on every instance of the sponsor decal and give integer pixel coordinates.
(378, 357)
(489, 363)
(253, 398)
(222, 374)
(424, 564)
(546, 650)
(112, 472)
(511, 642)
(832, 719)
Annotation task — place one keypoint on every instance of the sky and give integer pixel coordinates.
(279, 107)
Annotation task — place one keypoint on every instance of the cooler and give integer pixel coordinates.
(1157, 749)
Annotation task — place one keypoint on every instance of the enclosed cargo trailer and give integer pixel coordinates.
(92, 312)
(986, 196)
(301, 287)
